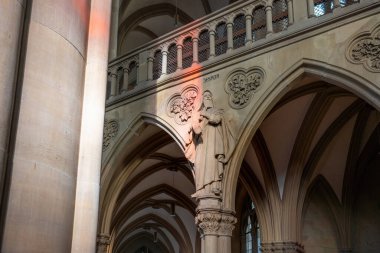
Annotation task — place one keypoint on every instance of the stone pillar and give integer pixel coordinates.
(179, 56)
(150, 68)
(11, 23)
(164, 61)
(290, 12)
(44, 163)
(209, 224)
(282, 247)
(212, 44)
(91, 134)
(113, 76)
(114, 29)
(268, 11)
(230, 36)
(248, 28)
(310, 8)
(336, 4)
(227, 225)
(124, 88)
(195, 50)
(102, 243)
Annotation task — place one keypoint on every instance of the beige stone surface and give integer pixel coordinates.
(41, 206)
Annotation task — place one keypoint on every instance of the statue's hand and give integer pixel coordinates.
(222, 159)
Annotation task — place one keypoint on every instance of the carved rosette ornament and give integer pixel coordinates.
(111, 128)
(102, 243)
(282, 247)
(365, 49)
(181, 105)
(241, 85)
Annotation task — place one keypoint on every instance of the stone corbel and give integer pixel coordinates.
(102, 243)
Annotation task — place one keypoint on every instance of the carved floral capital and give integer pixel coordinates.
(216, 223)
(111, 128)
(365, 49)
(181, 105)
(241, 85)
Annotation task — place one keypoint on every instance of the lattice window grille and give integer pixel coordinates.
(157, 65)
(187, 53)
(259, 25)
(239, 31)
(345, 3)
(280, 16)
(172, 59)
(221, 39)
(322, 7)
(132, 76)
(203, 46)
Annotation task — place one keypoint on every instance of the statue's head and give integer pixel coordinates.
(207, 99)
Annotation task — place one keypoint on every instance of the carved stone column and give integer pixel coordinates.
(212, 44)
(268, 11)
(248, 28)
(282, 247)
(230, 37)
(310, 8)
(195, 50)
(102, 243)
(290, 12)
(227, 225)
(164, 61)
(209, 224)
(179, 56)
(113, 76)
(150, 68)
(124, 88)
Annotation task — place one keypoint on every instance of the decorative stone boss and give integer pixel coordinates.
(209, 143)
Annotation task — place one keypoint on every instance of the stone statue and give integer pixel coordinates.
(209, 146)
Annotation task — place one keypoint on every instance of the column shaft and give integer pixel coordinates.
(150, 68)
(114, 30)
(179, 56)
(211, 244)
(230, 38)
(164, 62)
(195, 50)
(91, 135)
(125, 79)
(290, 12)
(248, 29)
(113, 75)
(268, 11)
(310, 7)
(212, 44)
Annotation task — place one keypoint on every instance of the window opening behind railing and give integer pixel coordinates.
(203, 46)
(259, 26)
(172, 59)
(157, 65)
(322, 7)
(187, 53)
(280, 15)
(221, 39)
(239, 31)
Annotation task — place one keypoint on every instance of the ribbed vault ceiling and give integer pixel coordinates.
(141, 21)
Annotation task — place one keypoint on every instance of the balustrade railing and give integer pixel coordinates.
(238, 26)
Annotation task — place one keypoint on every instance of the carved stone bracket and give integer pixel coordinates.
(365, 49)
(282, 247)
(215, 223)
(111, 128)
(181, 105)
(241, 85)
(102, 243)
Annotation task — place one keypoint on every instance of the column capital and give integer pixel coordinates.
(102, 241)
(215, 222)
(282, 247)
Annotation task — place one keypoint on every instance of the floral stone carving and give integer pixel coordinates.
(241, 85)
(111, 127)
(365, 49)
(181, 105)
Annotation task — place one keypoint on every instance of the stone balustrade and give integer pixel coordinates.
(231, 30)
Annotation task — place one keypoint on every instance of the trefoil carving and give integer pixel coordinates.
(181, 105)
(241, 85)
(365, 49)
